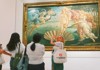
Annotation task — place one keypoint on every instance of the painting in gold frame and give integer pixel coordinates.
(79, 18)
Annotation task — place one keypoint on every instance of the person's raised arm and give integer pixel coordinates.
(4, 52)
(52, 42)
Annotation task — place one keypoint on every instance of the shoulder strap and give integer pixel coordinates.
(25, 51)
(24, 56)
(19, 48)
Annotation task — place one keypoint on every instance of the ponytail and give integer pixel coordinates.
(36, 39)
(33, 47)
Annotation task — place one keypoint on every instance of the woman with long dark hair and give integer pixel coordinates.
(13, 45)
(35, 52)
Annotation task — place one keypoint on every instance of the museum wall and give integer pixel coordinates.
(11, 20)
(7, 25)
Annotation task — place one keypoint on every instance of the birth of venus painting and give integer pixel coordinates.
(77, 22)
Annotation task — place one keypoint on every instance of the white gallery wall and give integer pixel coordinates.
(11, 20)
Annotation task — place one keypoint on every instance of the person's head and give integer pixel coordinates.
(14, 39)
(60, 38)
(36, 39)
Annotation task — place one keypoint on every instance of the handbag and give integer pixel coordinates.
(60, 56)
(23, 64)
(17, 58)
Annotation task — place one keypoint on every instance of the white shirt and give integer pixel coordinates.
(36, 56)
(22, 48)
(1, 59)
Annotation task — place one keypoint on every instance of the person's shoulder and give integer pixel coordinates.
(58, 42)
(42, 45)
(29, 43)
(21, 44)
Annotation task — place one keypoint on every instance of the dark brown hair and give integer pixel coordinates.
(36, 39)
(15, 38)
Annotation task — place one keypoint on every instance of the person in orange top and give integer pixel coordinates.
(1, 59)
(58, 44)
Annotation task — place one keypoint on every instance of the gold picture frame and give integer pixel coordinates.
(32, 23)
